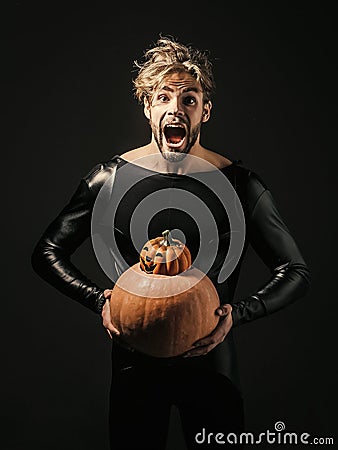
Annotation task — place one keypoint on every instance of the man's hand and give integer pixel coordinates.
(203, 346)
(108, 324)
(106, 319)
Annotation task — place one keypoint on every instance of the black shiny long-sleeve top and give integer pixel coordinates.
(266, 232)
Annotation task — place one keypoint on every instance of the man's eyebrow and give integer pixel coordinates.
(191, 89)
(187, 89)
(166, 88)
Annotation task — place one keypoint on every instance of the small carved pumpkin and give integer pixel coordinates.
(165, 256)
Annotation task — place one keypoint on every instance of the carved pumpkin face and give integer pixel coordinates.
(165, 256)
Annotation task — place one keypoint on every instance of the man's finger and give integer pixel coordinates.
(223, 310)
(211, 339)
(113, 330)
(106, 308)
(200, 351)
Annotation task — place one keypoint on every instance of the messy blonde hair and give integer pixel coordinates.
(168, 56)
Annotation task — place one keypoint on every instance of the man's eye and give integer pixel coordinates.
(189, 100)
(163, 98)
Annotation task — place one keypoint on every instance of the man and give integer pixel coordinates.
(175, 84)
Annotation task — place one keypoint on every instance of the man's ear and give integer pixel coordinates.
(206, 111)
(146, 107)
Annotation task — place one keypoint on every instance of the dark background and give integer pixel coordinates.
(68, 80)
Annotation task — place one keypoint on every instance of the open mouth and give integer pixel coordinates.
(174, 135)
(148, 268)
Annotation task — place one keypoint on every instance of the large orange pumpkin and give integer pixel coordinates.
(163, 315)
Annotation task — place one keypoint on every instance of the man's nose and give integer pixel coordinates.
(175, 108)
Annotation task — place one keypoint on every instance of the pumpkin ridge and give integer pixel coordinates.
(178, 252)
(206, 302)
(145, 314)
(183, 262)
(187, 254)
(177, 266)
(120, 316)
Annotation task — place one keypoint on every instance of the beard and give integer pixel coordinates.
(174, 155)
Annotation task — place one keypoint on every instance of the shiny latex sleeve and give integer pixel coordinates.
(51, 258)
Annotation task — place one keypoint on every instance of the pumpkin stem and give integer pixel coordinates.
(166, 238)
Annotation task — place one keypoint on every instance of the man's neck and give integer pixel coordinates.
(153, 159)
